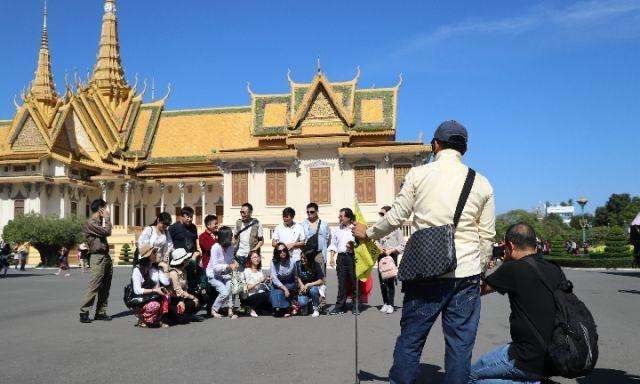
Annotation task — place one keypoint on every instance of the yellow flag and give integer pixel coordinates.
(366, 253)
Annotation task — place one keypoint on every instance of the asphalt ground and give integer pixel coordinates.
(43, 342)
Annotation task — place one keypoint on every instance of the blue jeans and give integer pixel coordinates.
(277, 297)
(496, 367)
(459, 302)
(312, 293)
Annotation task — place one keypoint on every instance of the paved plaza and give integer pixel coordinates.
(42, 340)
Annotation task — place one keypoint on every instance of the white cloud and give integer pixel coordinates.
(577, 15)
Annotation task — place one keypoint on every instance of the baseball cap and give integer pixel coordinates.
(449, 129)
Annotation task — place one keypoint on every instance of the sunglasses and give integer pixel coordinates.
(381, 214)
(311, 212)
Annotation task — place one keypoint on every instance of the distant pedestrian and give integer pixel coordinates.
(96, 231)
(390, 245)
(63, 262)
(634, 237)
(23, 252)
(5, 252)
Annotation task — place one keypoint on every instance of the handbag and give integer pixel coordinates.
(431, 252)
(238, 285)
(131, 300)
(387, 268)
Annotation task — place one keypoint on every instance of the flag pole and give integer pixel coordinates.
(357, 312)
(356, 305)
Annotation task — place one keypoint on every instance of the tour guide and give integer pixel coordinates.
(101, 265)
(431, 192)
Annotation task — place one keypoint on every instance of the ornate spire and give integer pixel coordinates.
(108, 74)
(42, 87)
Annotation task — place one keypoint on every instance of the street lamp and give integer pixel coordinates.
(583, 220)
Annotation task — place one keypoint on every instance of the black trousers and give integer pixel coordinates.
(388, 286)
(189, 309)
(346, 270)
(259, 302)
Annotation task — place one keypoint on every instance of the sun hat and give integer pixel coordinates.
(83, 247)
(178, 256)
(145, 251)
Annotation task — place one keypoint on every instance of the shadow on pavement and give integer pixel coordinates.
(429, 373)
(608, 376)
(122, 314)
(14, 275)
(634, 291)
(628, 274)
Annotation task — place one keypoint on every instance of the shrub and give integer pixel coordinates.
(125, 253)
(577, 262)
(557, 247)
(616, 243)
(46, 233)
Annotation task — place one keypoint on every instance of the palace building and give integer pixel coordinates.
(321, 141)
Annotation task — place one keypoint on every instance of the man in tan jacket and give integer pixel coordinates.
(96, 230)
(430, 192)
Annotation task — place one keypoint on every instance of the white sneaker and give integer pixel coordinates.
(315, 313)
(383, 309)
(389, 309)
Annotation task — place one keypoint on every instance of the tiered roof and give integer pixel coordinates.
(105, 124)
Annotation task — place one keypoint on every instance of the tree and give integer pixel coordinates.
(575, 221)
(619, 210)
(46, 233)
(616, 243)
(125, 252)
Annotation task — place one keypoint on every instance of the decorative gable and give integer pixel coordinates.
(29, 138)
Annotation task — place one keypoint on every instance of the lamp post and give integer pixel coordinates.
(583, 220)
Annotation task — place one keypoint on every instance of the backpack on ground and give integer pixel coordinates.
(573, 350)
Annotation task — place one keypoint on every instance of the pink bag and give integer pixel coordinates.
(387, 268)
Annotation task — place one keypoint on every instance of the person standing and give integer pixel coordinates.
(431, 192)
(248, 237)
(96, 230)
(208, 238)
(83, 256)
(5, 251)
(183, 232)
(314, 226)
(634, 239)
(221, 265)
(390, 245)
(290, 234)
(23, 253)
(342, 245)
(63, 262)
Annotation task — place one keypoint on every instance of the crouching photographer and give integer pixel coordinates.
(533, 311)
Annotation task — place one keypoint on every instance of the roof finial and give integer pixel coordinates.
(108, 73)
(400, 79)
(144, 87)
(166, 96)
(357, 74)
(153, 88)
(318, 68)
(135, 83)
(289, 76)
(15, 103)
(249, 88)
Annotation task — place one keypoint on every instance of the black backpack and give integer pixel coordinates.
(573, 350)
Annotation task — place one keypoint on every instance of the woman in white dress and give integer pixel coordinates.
(157, 236)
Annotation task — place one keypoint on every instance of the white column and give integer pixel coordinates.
(103, 188)
(161, 197)
(63, 206)
(181, 187)
(203, 186)
(142, 218)
(132, 212)
(127, 185)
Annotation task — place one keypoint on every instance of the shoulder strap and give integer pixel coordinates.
(251, 224)
(464, 195)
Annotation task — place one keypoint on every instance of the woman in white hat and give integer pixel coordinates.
(148, 279)
(183, 305)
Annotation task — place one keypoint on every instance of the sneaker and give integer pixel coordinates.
(390, 309)
(315, 313)
(253, 313)
(384, 308)
(84, 318)
(336, 311)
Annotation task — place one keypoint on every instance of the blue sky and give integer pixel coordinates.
(549, 91)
